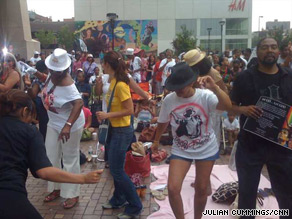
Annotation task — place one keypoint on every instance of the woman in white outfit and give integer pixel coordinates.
(66, 120)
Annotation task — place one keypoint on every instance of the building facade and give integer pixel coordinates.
(284, 25)
(196, 15)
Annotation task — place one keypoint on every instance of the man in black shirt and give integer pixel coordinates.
(265, 79)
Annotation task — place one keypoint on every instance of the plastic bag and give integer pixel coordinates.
(232, 164)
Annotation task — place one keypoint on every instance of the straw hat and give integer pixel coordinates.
(194, 56)
(58, 60)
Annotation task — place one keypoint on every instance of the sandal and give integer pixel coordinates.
(52, 196)
(158, 195)
(70, 202)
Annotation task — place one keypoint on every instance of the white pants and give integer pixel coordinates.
(137, 77)
(69, 153)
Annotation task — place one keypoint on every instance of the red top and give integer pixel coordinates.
(158, 73)
(87, 113)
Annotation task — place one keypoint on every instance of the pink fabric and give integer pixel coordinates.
(220, 174)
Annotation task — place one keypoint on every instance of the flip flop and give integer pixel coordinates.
(158, 195)
(52, 196)
(70, 202)
(165, 191)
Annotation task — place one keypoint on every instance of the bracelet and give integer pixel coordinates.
(69, 123)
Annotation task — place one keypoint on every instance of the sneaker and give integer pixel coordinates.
(127, 216)
(108, 205)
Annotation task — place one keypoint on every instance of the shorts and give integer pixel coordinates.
(211, 158)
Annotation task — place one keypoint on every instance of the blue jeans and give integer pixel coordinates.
(251, 155)
(125, 190)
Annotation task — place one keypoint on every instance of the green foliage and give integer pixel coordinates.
(45, 37)
(278, 34)
(184, 41)
(66, 38)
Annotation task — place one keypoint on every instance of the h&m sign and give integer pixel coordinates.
(237, 5)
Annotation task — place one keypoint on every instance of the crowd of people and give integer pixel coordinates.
(187, 94)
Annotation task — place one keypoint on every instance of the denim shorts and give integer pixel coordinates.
(212, 158)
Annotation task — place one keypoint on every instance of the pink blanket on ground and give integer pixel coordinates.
(220, 174)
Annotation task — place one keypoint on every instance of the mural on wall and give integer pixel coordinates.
(97, 35)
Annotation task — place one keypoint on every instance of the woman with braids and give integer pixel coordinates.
(120, 135)
(10, 77)
(22, 147)
(66, 120)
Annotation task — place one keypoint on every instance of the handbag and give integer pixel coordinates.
(95, 107)
(86, 135)
(148, 134)
(159, 156)
(104, 127)
(137, 164)
(226, 193)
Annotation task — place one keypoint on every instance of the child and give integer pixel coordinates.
(187, 110)
(83, 87)
(231, 125)
(144, 112)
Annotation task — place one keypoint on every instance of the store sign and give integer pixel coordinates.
(237, 5)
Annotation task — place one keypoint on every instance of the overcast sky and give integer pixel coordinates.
(270, 9)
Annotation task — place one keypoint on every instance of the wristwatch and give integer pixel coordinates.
(69, 123)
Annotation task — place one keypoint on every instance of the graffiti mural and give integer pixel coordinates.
(97, 35)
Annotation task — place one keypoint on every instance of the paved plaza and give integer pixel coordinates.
(92, 196)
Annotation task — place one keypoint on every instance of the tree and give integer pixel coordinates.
(66, 38)
(184, 41)
(45, 37)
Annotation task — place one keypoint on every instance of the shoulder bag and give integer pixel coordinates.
(104, 126)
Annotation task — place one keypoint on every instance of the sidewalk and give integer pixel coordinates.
(92, 196)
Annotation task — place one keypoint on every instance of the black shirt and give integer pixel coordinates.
(21, 147)
(251, 84)
(269, 85)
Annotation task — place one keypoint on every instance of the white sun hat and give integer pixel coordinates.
(36, 53)
(58, 60)
(130, 52)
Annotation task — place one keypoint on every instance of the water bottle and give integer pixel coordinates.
(90, 151)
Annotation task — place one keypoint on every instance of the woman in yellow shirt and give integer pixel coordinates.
(121, 134)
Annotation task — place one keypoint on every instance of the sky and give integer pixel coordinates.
(269, 9)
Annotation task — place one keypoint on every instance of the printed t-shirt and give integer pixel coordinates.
(121, 94)
(192, 129)
(59, 107)
(167, 69)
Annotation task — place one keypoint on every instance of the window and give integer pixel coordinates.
(191, 25)
(210, 23)
(236, 44)
(237, 26)
(215, 45)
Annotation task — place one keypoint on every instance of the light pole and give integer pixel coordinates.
(209, 32)
(112, 19)
(260, 22)
(222, 24)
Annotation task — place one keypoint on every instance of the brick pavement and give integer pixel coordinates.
(92, 196)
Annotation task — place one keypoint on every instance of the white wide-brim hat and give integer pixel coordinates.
(130, 52)
(58, 60)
